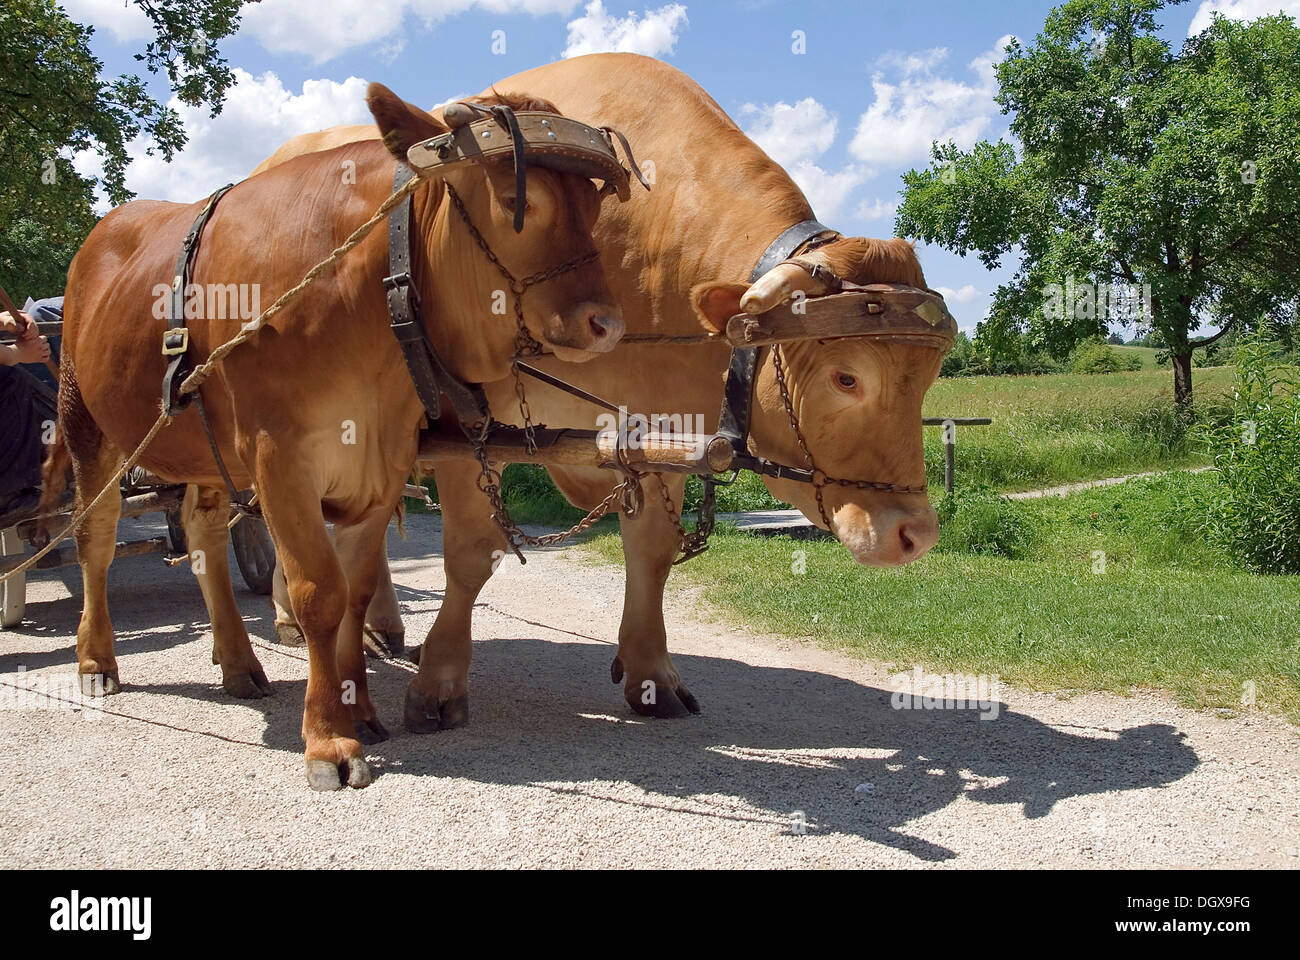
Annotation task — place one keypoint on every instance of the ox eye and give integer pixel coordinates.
(846, 381)
(511, 202)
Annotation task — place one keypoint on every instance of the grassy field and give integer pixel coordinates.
(1110, 589)
(1062, 428)
(1148, 355)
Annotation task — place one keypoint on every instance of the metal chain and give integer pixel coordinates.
(489, 480)
(628, 493)
(697, 541)
(820, 479)
(525, 344)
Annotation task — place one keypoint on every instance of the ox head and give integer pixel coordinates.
(573, 313)
(858, 403)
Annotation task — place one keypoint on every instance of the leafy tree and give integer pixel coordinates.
(55, 102)
(959, 358)
(1098, 356)
(1177, 174)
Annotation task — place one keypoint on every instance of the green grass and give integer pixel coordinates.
(1063, 428)
(1168, 612)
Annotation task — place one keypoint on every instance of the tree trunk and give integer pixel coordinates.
(1182, 364)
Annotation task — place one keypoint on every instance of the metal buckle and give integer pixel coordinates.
(401, 283)
(172, 349)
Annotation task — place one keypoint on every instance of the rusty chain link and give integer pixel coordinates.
(525, 344)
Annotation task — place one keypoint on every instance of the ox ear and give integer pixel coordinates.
(400, 124)
(716, 302)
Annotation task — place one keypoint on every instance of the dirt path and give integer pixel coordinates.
(554, 770)
(1066, 489)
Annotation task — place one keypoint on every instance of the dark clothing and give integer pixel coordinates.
(20, 433)
(46, 311)
(23, 412)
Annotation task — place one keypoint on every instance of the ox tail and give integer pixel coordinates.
(54, 482)
(75, 432)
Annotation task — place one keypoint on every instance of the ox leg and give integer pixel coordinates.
(205, 513)
(318, 597)
(438, 697)
(286, 627)
(362, 562)
(96, 544)
(651, 684)
(383, 630)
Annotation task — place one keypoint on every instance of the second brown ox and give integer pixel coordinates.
(717, 202)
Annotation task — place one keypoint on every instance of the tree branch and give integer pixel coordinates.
(1206, 341)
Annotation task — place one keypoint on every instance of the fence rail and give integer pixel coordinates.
(950, 442)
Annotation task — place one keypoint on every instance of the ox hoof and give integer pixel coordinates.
(324, 775)
(371, 731)
(384, 644)
(414, 654)
(100, 684)
(429, 714)
(289, 635)
(667, 703)
(247, 686)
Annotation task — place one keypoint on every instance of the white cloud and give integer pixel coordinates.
(319, 30)
(964, 294)
(653, 34)
(125, 21)
(259, 115)
(796, 136)
(1240, 10)
(918, 106)
(877, 210)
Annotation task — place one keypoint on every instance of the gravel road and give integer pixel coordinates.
(798, 758)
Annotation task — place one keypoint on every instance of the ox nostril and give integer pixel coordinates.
(905, 540)
(915, 538)
(599, 325)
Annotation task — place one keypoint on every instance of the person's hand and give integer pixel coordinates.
(32, 349)
(29, 331)
(23, 325)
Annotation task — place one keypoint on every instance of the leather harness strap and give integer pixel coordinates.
(737, 399)
(176, 345)
(176, 340)
(429, 374)
(791, 240)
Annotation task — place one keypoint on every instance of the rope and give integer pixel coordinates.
(206, 369)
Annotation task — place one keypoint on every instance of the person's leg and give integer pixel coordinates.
(21, 451)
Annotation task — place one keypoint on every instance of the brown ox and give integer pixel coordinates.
(317, 409)
(717, 204)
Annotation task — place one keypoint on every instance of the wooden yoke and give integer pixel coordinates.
(666, 452)
(879, 310)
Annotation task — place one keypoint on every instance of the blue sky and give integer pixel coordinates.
(878, 81)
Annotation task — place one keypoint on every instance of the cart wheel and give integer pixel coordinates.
(176, 531)
(255, 553)
(13, 592)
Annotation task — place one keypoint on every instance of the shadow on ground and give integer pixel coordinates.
(768, 747)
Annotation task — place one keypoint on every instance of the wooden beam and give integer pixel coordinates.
(878, 310)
